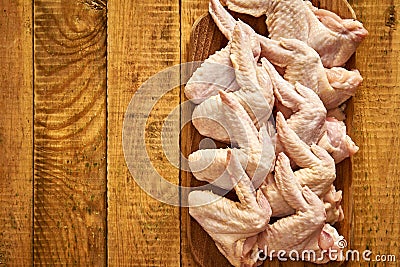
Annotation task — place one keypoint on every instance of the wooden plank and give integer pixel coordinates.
(191, 10)
(16, 96)
(376, 126)
(70, 133)
(143, 39)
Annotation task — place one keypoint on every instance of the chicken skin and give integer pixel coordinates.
(336, 141)
(277, 102)
(335, 39)
(308, 115)
(300, 62)
(305, 229)
(317, 172)
(215, 73)
(255, 94)
(256, 152)
(317, 166)
(232, 225)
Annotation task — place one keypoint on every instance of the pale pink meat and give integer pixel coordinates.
(308, 112)
(302, 64)
(231, 223)
(240, 229)
(337, 113)
(333, 208)
(288, 175)
(336, 141)
(342, 79)
(208, 119)
(334, 39)
(259, 101)
(317, 166)
(317, 172)
(256, 152)
(255, 94)
(304, 230)
(299, 61)
(215, 73)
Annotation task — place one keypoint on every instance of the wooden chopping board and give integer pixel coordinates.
(206, 39)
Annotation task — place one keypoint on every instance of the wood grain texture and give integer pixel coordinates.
(205, 40)
(66, 152)
(191, 10)
(70, 133)
(376, 127)
(16, 96)
(143, 39)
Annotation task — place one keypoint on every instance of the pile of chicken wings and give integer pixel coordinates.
(277, 101)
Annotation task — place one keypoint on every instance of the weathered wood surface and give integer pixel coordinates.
(16, 133)
(66, 195)
(143, 39)
(376, 128)
(70, 133)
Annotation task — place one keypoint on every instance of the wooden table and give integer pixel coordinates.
(68, 71)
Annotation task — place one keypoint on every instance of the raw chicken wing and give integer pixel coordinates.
(304, 230)
(336, 141)
(256, 154)
(299, 61)
(317, 173)
(255, 94)
(215, 73)
(334, 39)
(317, 166)
(229, 223)
(309, 113)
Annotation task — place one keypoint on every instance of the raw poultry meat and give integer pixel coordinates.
(304, 230)
(240, 229)
(336, 141)
(334, 39)
(317, 172)
(299, 61)
(230, 223)
(255, 94)
(208, 117)
(256, 153)
(309, 120)
(332, 200)
(301, 64)
(258, 102)
(342, 79)
(215, 73)
(308, 115)
(337, 113)
(317, 166)
(235, 104)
